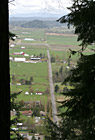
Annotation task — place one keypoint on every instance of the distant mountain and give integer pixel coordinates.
(35, 24)
(41, 24)
(29, 23)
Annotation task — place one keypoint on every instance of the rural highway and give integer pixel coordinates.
(53, 101)
(54, 109)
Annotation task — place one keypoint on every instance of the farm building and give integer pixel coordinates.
(30, 62)
(35, 59)
(12, 45)
(16, 59)
(39, 93)
(29, 39)
(26, 93)
(18, 84)
(12, 113)
(27, 112)
(11, 58)
(22, 47)
(42, 113)
(26, 54)
(18, 53)
(37, 119)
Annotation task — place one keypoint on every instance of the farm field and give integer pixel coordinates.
(32, 76)
(62, 40)
(59, 44)
(38, 71)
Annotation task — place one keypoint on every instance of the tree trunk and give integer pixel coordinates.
(4, 67)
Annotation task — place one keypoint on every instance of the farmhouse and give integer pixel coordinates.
(12, 113)
(19, 125)
(37, 119)
(16, 59)
(27, 112)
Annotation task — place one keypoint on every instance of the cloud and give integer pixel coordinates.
(33, 6)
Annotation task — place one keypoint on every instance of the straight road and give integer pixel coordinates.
(54, 109)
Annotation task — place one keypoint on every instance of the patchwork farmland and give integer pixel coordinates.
(30, 73)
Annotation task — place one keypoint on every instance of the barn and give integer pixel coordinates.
(17, 59)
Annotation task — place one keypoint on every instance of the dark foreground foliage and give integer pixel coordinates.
(78, 121)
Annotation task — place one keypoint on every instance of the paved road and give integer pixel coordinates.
(54, 110)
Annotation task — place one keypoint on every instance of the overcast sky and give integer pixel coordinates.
(22, 7)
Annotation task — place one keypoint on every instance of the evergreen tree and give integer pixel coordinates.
(56, 88)
(33, 138)
(14, 135)
(78, 120)
(61, 70)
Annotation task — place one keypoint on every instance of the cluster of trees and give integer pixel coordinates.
(58, 76)
(22, 81)
(26, 82)
(53, 59)
(60, 31)
(78, 120)
(41, 55)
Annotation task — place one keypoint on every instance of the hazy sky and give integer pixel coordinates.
(35, 6)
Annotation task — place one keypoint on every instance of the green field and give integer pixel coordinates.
(38, 71)
(29, 33)
(65, 40)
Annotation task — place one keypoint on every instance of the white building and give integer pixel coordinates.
(67, 67)
(22, 47)
(18, 84)
(29, 39)
(12, 45)
(26, 54)
(26, 93)
(16, 59)
(19, 124)
(14, 129)
(35, 59)
(40, 93)
(11, 58)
